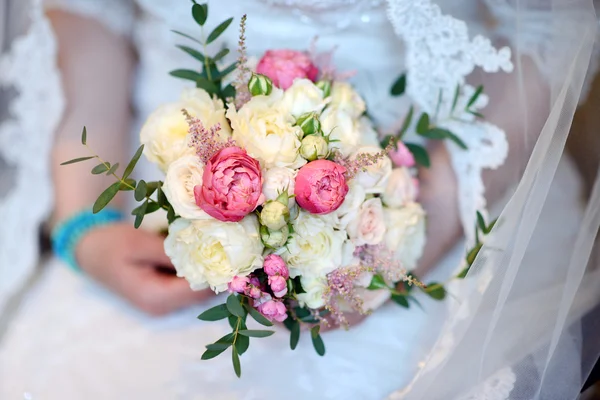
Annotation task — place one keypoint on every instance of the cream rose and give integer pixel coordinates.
(315, 248)
(405, 233)
(314, 288)
(349, 209)
(302, 97)
(182, 176)
(376, 176)
(368, 227)
(265, 129)
(401, 188)
(346, 99)
(342, 128)
(276, 181)
(165, 132)
(211, 252)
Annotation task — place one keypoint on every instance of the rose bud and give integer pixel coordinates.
(260, 85)
(274, 215)
(313, 147)
(274, 239)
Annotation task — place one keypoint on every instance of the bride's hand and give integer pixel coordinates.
(132, 263)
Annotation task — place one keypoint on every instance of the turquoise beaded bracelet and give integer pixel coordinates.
(66, 235)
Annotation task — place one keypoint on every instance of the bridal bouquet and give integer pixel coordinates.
(279, 191)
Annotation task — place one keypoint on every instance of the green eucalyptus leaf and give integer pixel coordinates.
(152, 207)
(112, 169)
(423, 124)
(218, 30)
(256, 333)
(399, 87)
(228, 91)
(440, 133)
(185, 35)
(76, 160)
(463, 273)
(419, 153)
(386, 140)
(476, 114)
(490, 226)
(481, 222)
(222, 53)
(475, 96)
(455, 98)
(302, 312)
(152, 186)
(317, 341)
(200, 13)
(235, 358)
(207, 85)
(234, 306)
(171, 215)
(129, 184)
(242, 343)
(140, 214)
(218, 346)
(227, 338)
(258, 317)
(187, 74)
(160, 196)
(227, 70)
(140, 191)
(215, 313)
(377, 283)
(435, 291)
(133, 162)
(192, 52)
(400, 300)
(233, 322)
(100, 168)
(406, 123)
(472, 255)
(106, 197)
(84, 136)
(294, 334)
(208, 354)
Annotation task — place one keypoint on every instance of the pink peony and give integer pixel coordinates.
(278, 285)
(273, 310)
(284, 66)
(231, 185)
(402, 157)
(274, 265)
(321, 186)
(238, 284)
(253, 291)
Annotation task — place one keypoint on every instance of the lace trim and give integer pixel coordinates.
(496, 387)
(26, 137)
(439, 56)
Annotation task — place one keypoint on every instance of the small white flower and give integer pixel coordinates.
(211, 252)
(165, 132)
(368, 227)
(315, 288)
(349, 209)
(302, 97)
(406, 233)
(182, 176)
(401, 188)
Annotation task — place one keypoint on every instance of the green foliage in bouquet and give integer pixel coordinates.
(150, 194)
(210, 75)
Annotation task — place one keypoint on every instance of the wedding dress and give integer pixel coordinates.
(72, 339)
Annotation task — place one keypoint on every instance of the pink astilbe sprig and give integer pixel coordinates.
(383, 262)
(242, 94)
(341, 285)
(361, 161)
(324, 62)
(207, 142)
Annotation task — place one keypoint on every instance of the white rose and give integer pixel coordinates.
(346, 99)
(165, 132)
(405, 233)
(211, 252)
(315, 248)
(315, 288)
(302, 97)
(266, 131)
(276, 181)
(401, 188)
(342, 128)
(376, 176)
(368, 134)
(182, 176)
(349, 208)
(368, 227)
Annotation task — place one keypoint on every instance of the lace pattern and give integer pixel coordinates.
(439, 56)
(28, 69)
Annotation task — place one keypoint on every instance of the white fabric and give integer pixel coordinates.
(74, 340)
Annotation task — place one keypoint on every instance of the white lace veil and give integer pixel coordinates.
(522, 324)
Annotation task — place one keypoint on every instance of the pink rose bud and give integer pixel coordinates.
(254, 292)
(278, 285)
(285, 66)
(231, 185)
(238, 284)
(273, 310)
(402, 156)
(274, 265)
(321, 186)
(254, 281)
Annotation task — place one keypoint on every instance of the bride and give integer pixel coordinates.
(125, 328)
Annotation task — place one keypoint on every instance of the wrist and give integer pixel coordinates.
(67, 234)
